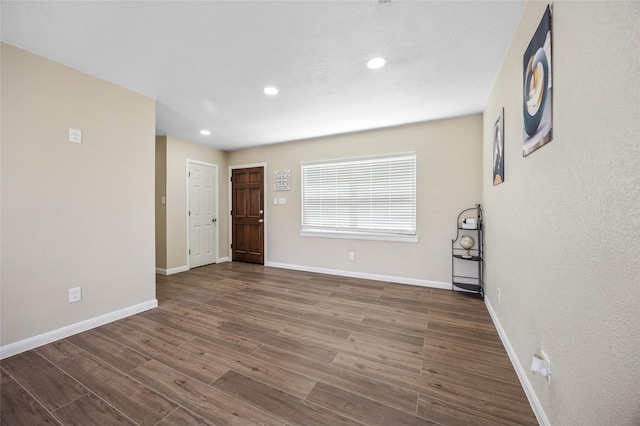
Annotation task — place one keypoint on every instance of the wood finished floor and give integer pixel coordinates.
(245, 344)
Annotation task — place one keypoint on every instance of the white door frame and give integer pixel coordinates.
(266, 209)
(216, 212)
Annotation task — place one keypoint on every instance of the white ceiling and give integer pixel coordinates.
(207, 62)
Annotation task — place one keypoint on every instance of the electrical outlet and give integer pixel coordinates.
(352, 255)
(547, 365)
(75, 294)
(498, 296)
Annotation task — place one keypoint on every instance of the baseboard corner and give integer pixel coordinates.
(171, 271)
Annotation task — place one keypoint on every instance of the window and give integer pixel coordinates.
(370, 198)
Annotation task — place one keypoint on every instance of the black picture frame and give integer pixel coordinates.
(498, 150)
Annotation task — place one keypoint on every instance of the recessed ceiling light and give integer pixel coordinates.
(376, 63)
(205, 132)
(271, 90)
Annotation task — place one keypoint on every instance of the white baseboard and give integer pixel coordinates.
(520, 371)
(51, 336)
(185, 268)
(363, 275)
(172, 270)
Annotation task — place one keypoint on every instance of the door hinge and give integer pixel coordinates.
(231, 245)
(231, 212)
(189, 174)
(189, 212)
(189, 252)
(231, 179)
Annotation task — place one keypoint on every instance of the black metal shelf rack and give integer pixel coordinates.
(467, 265)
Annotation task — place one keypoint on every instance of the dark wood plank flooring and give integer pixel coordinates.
(245, 344)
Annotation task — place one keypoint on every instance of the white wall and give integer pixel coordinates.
(73, 215)
(562, 231)
(448, 180)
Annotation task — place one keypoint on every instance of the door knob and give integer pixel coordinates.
(214, 220)
(260, 220)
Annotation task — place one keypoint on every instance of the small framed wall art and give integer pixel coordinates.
(498, 149)
(282, 180)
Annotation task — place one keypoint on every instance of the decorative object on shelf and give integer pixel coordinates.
(282, 180)
(537, 88)
(468, 223)
(467, 253)
(466, 242)
(498, 150)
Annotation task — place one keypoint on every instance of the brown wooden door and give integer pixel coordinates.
(247, 215)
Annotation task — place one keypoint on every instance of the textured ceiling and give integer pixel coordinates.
(207, 62)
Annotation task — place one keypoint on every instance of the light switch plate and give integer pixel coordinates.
(75, 135)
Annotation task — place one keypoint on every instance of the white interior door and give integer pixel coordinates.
(203, 222)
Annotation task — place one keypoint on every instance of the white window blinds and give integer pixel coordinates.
(375, 195)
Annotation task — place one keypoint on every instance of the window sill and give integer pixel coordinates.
(345, 235)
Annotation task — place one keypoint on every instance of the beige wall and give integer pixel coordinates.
(72, 215)
(562, 234)
(178, 151)
(161, 211)
(449, 180)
